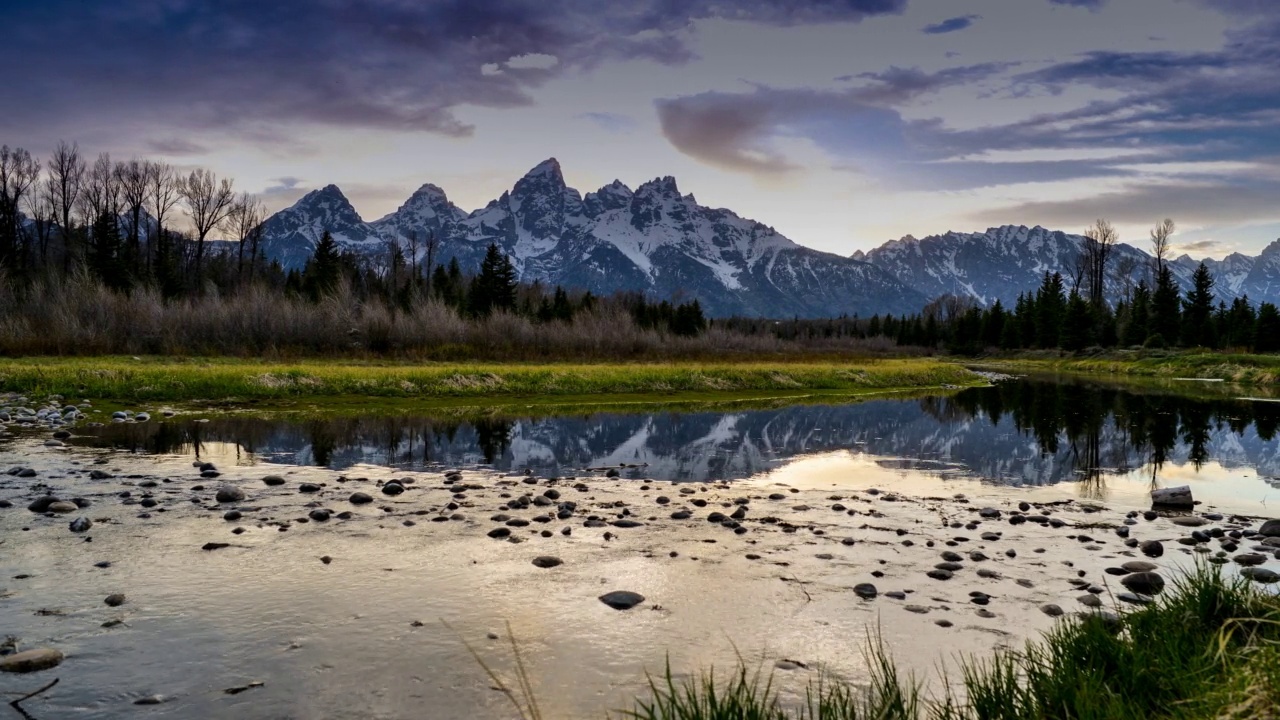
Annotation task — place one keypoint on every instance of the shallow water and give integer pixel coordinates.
(362, 637)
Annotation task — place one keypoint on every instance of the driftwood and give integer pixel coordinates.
(17, 704)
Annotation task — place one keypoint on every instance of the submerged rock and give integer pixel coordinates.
(622, 599)
(31, 660)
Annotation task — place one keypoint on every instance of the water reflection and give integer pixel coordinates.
(1017, 432)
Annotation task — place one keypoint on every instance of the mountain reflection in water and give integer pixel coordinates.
(1017, 432)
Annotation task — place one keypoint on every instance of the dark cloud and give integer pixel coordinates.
(176, 146)
(951, 25)
(389, 64)
(1201, 246)
(897, 85)
(1091, 4)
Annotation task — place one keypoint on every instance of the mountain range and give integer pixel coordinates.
(657, 241)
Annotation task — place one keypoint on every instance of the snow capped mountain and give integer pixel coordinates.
(1003, 262)
(653, 240)
(660, 242)
(290, 235)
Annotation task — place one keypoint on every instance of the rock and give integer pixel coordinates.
(359, 498)
(547, 561)
(232, 515)
(1250, 559)
(229, 494)
(1135, 598)
(392, 488)
(150, 700)
(626, 523)
(1270, 528)
(989, 512)
(310, 488)
(99, 475)
(943, 623)
(1151, 548)
(273, 480)
(866, 591)
(622, 599)
(81, 524)
(918, 609)
(1143, 583)
(500, 532)
(319, 515)
(1136, 566)
(1172, 497)
(62, 507)
(940, 574)
(1051, 610)
(41, 504)
(1089, 600)
(31, 661)
(950, 556)
(1261, 575)
(1190, 521)
(214, 546)
(114, 599)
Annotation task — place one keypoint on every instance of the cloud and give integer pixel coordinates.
(951, 25)
(383, 64)
(1090, 4)
(1199, 204)
(612, 122)
(176, 146)
(283, 185)
(1207, 247)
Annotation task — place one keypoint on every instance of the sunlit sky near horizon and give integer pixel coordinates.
(842, 123)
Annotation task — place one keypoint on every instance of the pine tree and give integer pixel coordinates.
(1166, 311)
(1266, 334)
(1077, 324)
(993, 322)
(1136, 326)
(1240, 323)
(1197, 310)
(1051, 306)
(494, 288)
(324, 269)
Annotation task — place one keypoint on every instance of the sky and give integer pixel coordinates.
(841, 123)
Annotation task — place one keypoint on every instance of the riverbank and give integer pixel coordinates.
(230, 381)
(1244, 369)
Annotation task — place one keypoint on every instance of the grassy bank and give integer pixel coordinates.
(1235, 368)
(1209, 648)
(241, 381)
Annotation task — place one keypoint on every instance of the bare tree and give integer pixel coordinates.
(18, 173)
(413, 260)
(244, 219)
(433, 243)
(162, 195)
(43, 217)
(1160, 245)
(1099, 242)
(208, 200)
(65, 181)
(101, 191)
(133, 181)
(1126, 267)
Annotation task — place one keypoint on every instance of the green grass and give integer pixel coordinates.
(1243, 369)
(230, 381)
(1209, 648)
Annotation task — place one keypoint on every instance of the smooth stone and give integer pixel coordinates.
(62, 506)
(319, 515)
(229, 494)
(989, 512)
(1090, 600)
(392, 488)
(1261, 575)
(547, 561)
(940, 574)
(1250, 559)
(1051, 610)
(1135, 598)
(359, 498)
(1136, 566)
(866, 591)
(31, 660)
(1270, 528)
(114, 599)
(1151, 548)
(1190, 521)
(1172, 497)
(308, 488)
(81, 524)
(622, 599)
(273, 480)
(500, 532)
(1143, 583)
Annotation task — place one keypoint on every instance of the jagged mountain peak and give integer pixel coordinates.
(663, 187)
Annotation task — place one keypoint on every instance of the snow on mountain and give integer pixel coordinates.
(653, 240)
(1003, 262)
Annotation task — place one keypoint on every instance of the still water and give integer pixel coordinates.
(1109, 441)
(361, 636)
